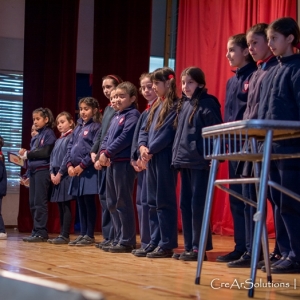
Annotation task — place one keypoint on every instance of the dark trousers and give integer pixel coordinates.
(65, 217)
(38, 201)
(143, 209)
(119, 188)
(161, 195)
(287, 174)
(2, 227)
(106, 222)
(87, 214)
(192, 202)
(237, 210)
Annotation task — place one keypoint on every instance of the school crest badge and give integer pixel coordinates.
(121, 121)
(85, 132)
(246, 86)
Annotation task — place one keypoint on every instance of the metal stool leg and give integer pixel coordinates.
(260, 214)
(207, 209)
(264, 239)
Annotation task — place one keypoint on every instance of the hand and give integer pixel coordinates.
(135, 166)
(144, 153)
(97, 165)
(142, 164)
(22, 151)
(71, 171)
(78, 170)
(93, 156)
(57, 179)
(104, 161)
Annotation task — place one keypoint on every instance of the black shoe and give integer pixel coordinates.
(119, 248)
(176, 255)
(103, 243)
(160, 253)
(74, 242)
(85, 241)
(274, 264)
(59, 240)
(143, 251)
(231, 256)
(25, 239)
(191, 256)
(37, 239)
(107, 247)
(243, 262)
(272, 257)
(287, 266)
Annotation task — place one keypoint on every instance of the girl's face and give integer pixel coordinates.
(147, 90)
(33, 131)
(107, 86)
(258, 46)
(86, 112)
(279, 44)
(39, 121)
(237, 57)
(113, 100)
(123, 100)
(188, 85)
(160, 88)
(63, 124)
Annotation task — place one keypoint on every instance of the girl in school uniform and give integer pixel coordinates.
(115, 153)
(282, 102)
(109, 83)
(84, 182)
(38, 165)
(60, 178)
(155, 142)
(141, 194)
(196, 110)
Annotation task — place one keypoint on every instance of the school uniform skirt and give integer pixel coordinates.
(85, 184)
(59, 192)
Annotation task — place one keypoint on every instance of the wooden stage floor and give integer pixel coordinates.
(124, 276)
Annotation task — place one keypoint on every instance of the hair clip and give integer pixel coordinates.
(171, 76)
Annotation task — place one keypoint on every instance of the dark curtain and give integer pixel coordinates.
(122, 36)
(49, 75)
(203, 30)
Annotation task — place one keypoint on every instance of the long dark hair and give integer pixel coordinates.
(163, 74)
(46, 113)
(197, 75)
(93, 103)
(287, 26)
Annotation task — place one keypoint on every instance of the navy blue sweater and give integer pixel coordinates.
(58, 158)
(40, 150)
(188, 142)
(117, 142)
(3, 176)
(108, 114)
(135, 152)
(157, 140)
(237, 93)
(81, 142)
(258, 79)
(282, 95)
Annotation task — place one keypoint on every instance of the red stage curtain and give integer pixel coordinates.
(203, 31)
(122, 37)
(49, 75)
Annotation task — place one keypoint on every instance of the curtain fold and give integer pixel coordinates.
(203, 31)
(50, 42)
(122, 40)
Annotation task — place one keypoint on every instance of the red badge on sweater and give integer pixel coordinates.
(121, 121)
(246, 86)
(85, 132)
